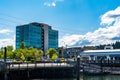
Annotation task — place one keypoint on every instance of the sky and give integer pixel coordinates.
(79, 22)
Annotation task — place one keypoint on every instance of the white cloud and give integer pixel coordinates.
(110, 17)
(52, 3)
(7, 41)
(5, 31)
(69, 40)
(106, 35)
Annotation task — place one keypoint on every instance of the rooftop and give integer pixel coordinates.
(101, 52)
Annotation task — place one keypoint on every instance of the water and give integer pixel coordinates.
(101, 77)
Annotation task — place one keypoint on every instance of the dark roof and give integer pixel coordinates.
(39, 24)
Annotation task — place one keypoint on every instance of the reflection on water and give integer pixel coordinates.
(102, 77)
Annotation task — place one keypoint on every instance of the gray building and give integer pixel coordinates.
(70, 52)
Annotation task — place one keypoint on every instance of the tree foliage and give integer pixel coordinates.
(115, 45)
(9, 48)
(52, 53)
(22, 53)
(1, 53)
(22, 45)
(28, 54)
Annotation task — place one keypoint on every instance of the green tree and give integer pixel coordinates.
(9, 48)
(27, 53)
(22, 45)
(9, 52)
(52, 53)
(20, 53)
(17, 53)
(32, 52)
(22, 57)
(54, 57)
(1, 54)
(38, 55)
(35, 54)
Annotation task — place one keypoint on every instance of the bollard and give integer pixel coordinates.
(78, 67)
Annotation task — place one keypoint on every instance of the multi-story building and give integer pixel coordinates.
(37, 35)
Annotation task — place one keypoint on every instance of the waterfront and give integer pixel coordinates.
(98, 77)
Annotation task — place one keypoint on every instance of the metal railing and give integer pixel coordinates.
(12, 66)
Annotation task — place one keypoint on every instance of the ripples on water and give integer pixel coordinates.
(102, 77)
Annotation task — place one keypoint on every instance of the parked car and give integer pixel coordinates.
(70, 60)
(62, 59)
(2, 63)
(57, 61)
(17, 60)
(8, 61)
(45, 60)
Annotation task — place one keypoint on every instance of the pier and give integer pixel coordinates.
(29, 71)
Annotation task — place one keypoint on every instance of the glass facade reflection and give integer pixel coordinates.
(37, 35)
(31, 35)
(53, 39)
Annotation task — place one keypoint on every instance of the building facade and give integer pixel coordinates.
(98, 55)
(71, 52)
(37, 35)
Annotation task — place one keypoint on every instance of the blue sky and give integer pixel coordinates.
(76, 20)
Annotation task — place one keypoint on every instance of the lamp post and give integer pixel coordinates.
(5, 56)
(78, 67)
